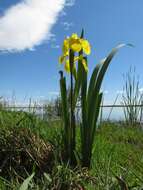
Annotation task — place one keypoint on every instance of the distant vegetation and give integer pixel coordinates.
(132, 98)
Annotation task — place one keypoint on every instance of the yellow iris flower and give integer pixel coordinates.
(76, 44)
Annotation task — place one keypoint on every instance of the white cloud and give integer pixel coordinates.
(141, 90)
(54, 93)
(67, 25)
(63, 13)
(52, 38)
(70, 2)
(105, 92)
(55, 46)
(28, 23)
(120, 92)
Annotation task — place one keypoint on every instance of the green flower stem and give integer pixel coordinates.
(72, 116)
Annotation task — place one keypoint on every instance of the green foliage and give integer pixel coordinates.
(52, 109)
(117, 156)
(26, 183)
(91, 98)
(131, 99)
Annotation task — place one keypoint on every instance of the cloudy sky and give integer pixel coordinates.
(32, 31)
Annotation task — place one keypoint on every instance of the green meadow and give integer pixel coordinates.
(29, 145)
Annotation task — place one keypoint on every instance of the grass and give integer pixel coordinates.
(118, 153)
(29, 144)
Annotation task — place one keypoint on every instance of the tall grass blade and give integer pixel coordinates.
(26, 182)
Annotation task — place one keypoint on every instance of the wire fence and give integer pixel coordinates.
(108, 112)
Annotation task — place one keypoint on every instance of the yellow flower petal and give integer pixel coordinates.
(61, 59)
(66, 47)
(74, 36)
(84, 63)
(74, 43)
(67, 66)
(75, 46)
(76, 58)
(86, 46)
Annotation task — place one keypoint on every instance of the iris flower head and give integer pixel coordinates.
(76, 44)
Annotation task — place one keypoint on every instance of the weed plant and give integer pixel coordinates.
(132, 100)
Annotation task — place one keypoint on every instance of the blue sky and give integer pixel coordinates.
(31, 70)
